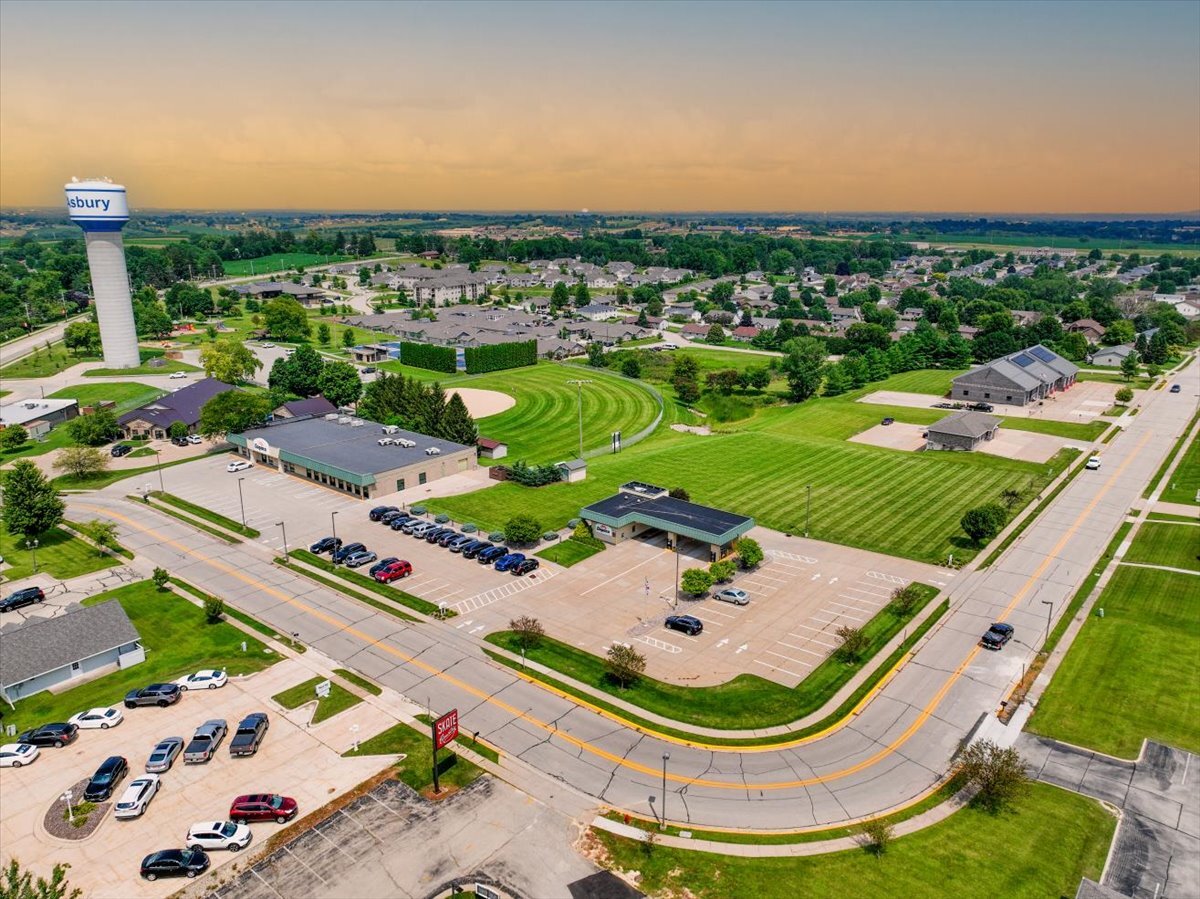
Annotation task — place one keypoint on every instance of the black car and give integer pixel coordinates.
(436, 533)
(382, 564)
(369, 369)
(388, 517)
(982, 407)
(471, 550)
(326, 545)
(179, 441)
(340, 554)
(121, 449)
(26, 597)
(524, 567)
(445, 539)
(397, 523)
(689, 624)
(379, 511)
(56, 735)
(488, 556)
(174, 863)
(161, 695)
(110, 773)
(997, 635)
(1175, 388)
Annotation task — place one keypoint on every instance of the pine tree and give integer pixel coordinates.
(31, 504)
(457, 425)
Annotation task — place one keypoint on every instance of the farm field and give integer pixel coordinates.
(1166, 544)
(1019, 242)
(278, 262)
(1152, 624)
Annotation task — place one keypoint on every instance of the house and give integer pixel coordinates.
(597, 312)
(574, 470)
(267, 290)
(745, 333)
(1018, 379)
(1091, 329)
(962, 431)
(184, 405)
(42, 653)
(314, 405)
(682, 311)
(1111, 356)
(369, 352)
(845, 316)
(694, 331)
(1024, 318)
(491, 449)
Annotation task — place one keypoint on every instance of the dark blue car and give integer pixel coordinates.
(382, 564)
(506, 562)
(487, 556)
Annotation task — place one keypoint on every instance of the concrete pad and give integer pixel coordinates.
(1083, 402)
(897, 435)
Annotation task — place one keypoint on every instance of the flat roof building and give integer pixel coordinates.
(23, 412)
(353, 455)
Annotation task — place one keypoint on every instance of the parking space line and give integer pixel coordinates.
(660, 644)
(622, 574)
(778, 668)
(366, 830)
(721, 612)
(844, 606)
(709, 621)
(304, 865)
(267, 883)
(847, 615)
(766, 577)
(317, 831)
(384, 804)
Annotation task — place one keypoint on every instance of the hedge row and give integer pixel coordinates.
(424, 355)
(500, 356)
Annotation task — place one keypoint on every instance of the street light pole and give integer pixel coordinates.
(663, 809)
(285, 548)
(675, 598)
(807, 508)
(579, 382)
(32, 546)
(158, 459)
(333, 523)
(1049, 612)
(242, 502)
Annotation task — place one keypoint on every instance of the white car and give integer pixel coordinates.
(1093, 463)
(268, 346)
(208, 679)
(102, 718)
(733, 595)
(218, 835)
(195, 439)
(178, 375)
(14, 755)
(239, 465)
(136, 798)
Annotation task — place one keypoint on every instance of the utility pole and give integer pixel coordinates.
(663, 809)
(807, 508)
(579, 382)
(1049, 612)
(285, 548)
(241, 502)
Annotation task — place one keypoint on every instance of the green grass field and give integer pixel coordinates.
(338, 700)
(932, 381)
(126, 394)
(1039, 848)
(58, 553)
(278, 262)
(1004, 240)
(43, 362)
(1133, 674)
(1184, 484)
(1169, 545)
(178, 641)
(570, 552)
(161, 366)
(416, 768)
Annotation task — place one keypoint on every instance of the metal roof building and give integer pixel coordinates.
(1017, 379)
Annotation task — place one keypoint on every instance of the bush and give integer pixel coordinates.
(469, 529)
(160, 578)
(13, 437)
(854, 643)
(1124, 395)
(427, 356)
(998, 774)
(528, 631)
(579, 530)
(440, 519)
(522, 530)
(534, 475)
(214, 608)
(500, 356)
(983, 523)
(695, 581)
(876, 834)
(679, 493)
(722, 571)
(749, 552)
(903, 600)
(496, 536)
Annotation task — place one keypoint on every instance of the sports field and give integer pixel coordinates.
(1133, 674)
(277, 262)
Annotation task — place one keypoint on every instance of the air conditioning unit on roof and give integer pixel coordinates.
(331, 416)
(433, 451)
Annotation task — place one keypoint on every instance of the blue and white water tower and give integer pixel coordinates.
(101, 210)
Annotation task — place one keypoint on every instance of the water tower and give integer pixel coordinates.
(100, 209)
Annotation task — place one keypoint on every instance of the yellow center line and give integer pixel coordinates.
(615, 759)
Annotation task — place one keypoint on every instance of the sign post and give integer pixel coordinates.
(445, 729)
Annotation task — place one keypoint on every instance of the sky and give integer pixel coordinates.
(817, 107)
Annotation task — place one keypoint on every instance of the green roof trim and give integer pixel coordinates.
(644, 518)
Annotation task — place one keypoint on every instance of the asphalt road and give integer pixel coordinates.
(893, 751)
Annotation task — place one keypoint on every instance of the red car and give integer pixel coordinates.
(263, 807)
(393, 572)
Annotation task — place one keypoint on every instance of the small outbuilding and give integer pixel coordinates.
(491, 449)
(574, 470)
(1111, 356)
(962, 431)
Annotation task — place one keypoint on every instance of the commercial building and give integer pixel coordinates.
(1018, 379)
(156, 417)
(638, 509)
(42, 653)
(352, 455)
(37, 417)
(961, 431)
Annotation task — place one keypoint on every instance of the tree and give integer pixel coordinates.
(723, 381)
(229, 360)
(160, 578)
(997, 774)
(522, 530)
(349, 338)
(679, 493)
(1120, 331)
(716, 334)
(749, 552)
(214, 608)
(684, 378)
(20, 884)
(1129, 367)
(876, 834)
(286, 319)
(13, 438)
(93, 430)
(82, 337)
(323, 334)
(339, 383)
(595, 354)
(233, 411)
(457, 425)
(1124, 395)
(528, 631)
(103, 533)
(81, 461)
(300, 373)
(624, 664)
(836, 380)
(643, 321)
(721, 292)
(31, 504)
(722, 570)
(560, 296)
(854, 643)
(582, 295)
(758, 377)
(150, 319)
(177, 430)
(904, 600)
(829, 288)
(695, 581)
(984, 522)
(803, 366)
(631, 367)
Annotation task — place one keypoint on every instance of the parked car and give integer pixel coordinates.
(204, 679)
(121, 449)
(733, 595)
(888, 421)
(205, 740)
(110, 773)
(1175, 388)
(57, 735)
(398, 569)
(410, 527)
(360, 558)
(250, 734)
(382, 564)
(458, 543)
(525, 566)
(340, 554)
(388, 517)
(101, 718)
(195, 439)
(444, 539)
(161, 695)
(369, 369)
(16, 755)
(179, 441)
(325, 545)
(239, 465)
(263, 807)
(997, 635)
(688, 624)
(174, 863)
(163, 755)
(136, 798)
(488, 556)
(177, 376)
(504, 563)
(398, 523)
(421, 528)
(219, 835)
(474, 549)
(1093, 463)
(25, 597)
(379, 511)
(432, 536)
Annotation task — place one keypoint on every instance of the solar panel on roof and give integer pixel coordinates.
(1042, 353)
(1022, 360)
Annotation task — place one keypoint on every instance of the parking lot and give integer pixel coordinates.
(1083, 402)
(295, 760)
(1024, 446)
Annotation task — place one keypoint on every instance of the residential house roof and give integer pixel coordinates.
(38, 645)
(314, 405)
(182, 405)
(966, 424)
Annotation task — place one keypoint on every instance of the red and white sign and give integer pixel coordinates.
(445, 729)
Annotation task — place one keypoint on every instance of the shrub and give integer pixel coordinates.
(214, 608)
(722, 571)
(534, 475)
(522, 530)
(695, 581)
(749, 552)
(550, 535)
(904, 599)
(427, 356)
(998, 774)
(500, 356)
(13, 437)
(528, 631)
(876, 834)
(1124, 395)
(983, 523)
(854, 643)
(580, 530)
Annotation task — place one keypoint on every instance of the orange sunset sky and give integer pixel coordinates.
(984, 107)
